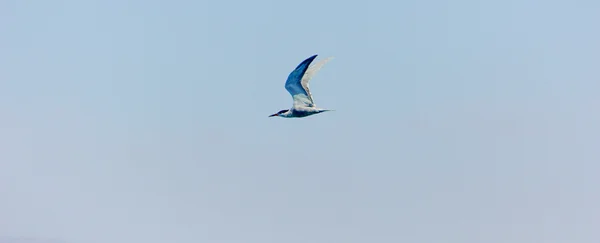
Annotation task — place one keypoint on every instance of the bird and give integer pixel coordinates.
(297, 85)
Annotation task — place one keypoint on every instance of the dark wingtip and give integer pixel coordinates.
(311, 58)
(305, 63)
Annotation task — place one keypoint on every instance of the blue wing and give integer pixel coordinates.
(294, 84)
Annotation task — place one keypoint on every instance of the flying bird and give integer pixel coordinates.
(297, 86)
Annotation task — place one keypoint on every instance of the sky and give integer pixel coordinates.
(146, 121)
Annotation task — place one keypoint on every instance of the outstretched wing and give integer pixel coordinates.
(310, 72)
(293, 84)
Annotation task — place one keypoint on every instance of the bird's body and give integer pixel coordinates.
(302, 112)
(297, 85)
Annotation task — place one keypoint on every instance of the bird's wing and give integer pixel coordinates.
(310, 72)
(293, 84)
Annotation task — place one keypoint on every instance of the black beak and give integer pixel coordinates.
(274, 115)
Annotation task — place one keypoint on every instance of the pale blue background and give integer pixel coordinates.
(146, 121)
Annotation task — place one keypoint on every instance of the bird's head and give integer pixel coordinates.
(279, 113)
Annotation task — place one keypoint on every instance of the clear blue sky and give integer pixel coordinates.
(146, 121)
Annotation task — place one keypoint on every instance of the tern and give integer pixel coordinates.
(297, 85)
